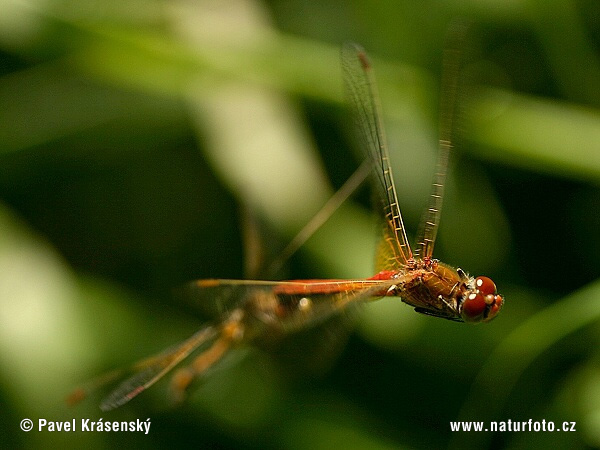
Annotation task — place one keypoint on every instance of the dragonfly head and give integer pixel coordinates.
(481, 302)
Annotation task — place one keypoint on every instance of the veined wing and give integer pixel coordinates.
(360, 84)
(145, 372)
(285, 306)
(450, 71)
(154, 369)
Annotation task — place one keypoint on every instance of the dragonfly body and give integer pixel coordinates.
(262, 308)
(431, 287)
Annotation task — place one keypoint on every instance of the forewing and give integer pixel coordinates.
(360, 84)
(450, 73)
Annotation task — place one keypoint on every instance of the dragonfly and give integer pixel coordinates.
(260, 308)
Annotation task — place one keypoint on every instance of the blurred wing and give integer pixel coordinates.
(314, 351)
(213, 298)
(149, 371)
(275, 301)
(319, 332)
(291, 305)
(360, 84)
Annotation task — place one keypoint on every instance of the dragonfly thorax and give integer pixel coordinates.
(472, 299)
(436, 289)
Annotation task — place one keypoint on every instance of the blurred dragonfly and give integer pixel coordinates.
(259, 308)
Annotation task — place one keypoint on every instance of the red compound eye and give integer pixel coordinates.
(482, 303)
(473, 307)
(485, 285)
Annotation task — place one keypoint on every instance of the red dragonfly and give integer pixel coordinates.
(263, 307)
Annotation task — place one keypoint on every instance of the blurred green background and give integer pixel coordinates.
(134, 132)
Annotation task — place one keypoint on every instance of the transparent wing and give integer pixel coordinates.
(386, 254)
(149, 371)
(289, 305)
(213, 298)
(283, 306)
(360, 84)
(309, 307)
(450, 70)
